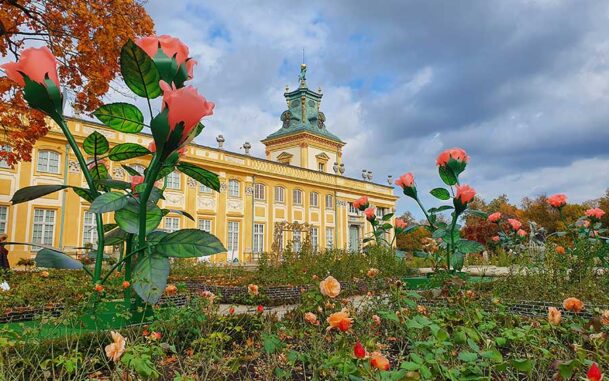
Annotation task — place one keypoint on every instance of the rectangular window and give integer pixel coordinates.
(297, 196)
(233, 188)
(4, 163)
(3, 218)
(205, 225)
(48, 161)
(322, 167)
(380, 212)
(352, 209)
(204, 188)
(172, 224)
(329, 202)
(233, 238)
(279, 194)
(44, 226)
(296, 240)
(329, 238)
(89, 234)
(173, 180)
(258, 238)
(314, 238)
(314, 198)
(259, 191)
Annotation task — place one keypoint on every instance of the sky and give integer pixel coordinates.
(522, 85)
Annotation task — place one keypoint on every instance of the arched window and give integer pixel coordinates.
(233, 188)
(173, 180)
(297, 197)
(259, 191)
(48, 161)
(329, 201)
(280, 194)
(314, 199)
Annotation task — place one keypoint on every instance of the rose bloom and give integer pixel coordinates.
(573, 304)
(605, 317)
(470, 294)
(495, 217)
(340, 320)
(329, 287)
(115, 350)
(379, 361)
(400, 223)
(171, 289)
(185, 105)
(311, 318)
(458, 154)
(36, 63)
(359, 351)
(372, 272)
(231, 311)
(594, 373)
(252, 289)
(557, 200)
(155, 336)
(554, 316)
(422, 309)
(514, 223)
(370, 213)
(208, 295)
(44, 274)
(405, 181)
(376, 319)
(126, 284)
(361, 203)
(596, 213)
(465, 193)
(99, 287)
(521, 233)
(170, 46)
(496, 239)
(560, 250)
(260, 309)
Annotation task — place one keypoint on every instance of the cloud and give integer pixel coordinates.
(522, 85)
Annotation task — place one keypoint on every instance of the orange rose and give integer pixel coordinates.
(372, 272)
(252, 289)
(457, 154)
(573, 304)
(557, 200)
(115, 350)
(99, 287)
(44, 274)
(171, 289)
(465, 193)
(560, 250)
(379, 361)
(605, 317)
(340, 320)
(311, 318)
(554, 315)
(330, 287)
(126, 284)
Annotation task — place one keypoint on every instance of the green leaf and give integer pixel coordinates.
(96, 144)
(271, 343)
(114, 237)
(150, 277)
(127, 151)
(439, 233)
(189, 243)
(477, 213)
(447, 175)
(99, 172)
(139, 71)
(131, 171)
(115, 184)
(387, 216)
(203, 176)
(122, 117)
(440, 193)
(439, 209)
(128, 217)
(467, 246)
(109, 202)
(567, 368)
(523, 365)
(165, 170)
(457, 260)
(34, 192)
(53, 259)
(493, 355)
(421, 254)
(85, 194)
(180, 212)
(467, 356)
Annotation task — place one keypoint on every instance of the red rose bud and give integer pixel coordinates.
(370, 213)
(170, 55)
(361, 203)
(36, 72)
(260, 309)
(231, 311)
(594, 374)
(359, 351)
(406, 182)
(457, 154)
(464, 195)
(557, 200)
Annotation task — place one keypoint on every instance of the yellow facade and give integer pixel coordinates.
(249, 200)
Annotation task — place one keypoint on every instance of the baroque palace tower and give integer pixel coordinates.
(297, 194)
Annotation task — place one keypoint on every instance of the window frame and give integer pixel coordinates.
(258, 239)
(234, 188)
(171, 181)
(4, 163)
(330, 205)
(44, 232)
(172, 228)
(280, 191)
(47, 169)
(259, 189)
(314, 196)
(92, 229)
(297, 200)
(329, 238)
(202, 221)
(4, 220)
(314, 237)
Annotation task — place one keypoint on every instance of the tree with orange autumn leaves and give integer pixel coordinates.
(86, 37)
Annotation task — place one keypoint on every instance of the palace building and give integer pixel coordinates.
(297, 193)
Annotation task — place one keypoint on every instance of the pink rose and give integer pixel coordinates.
(557, 200)
(514, 223)
(596, 213)
(521, 233)
(465, 193)
(36, 63)
(496, 239)
(361, 203)
(135, 181)
(400, 223)
(185, 105)
(169, 45)
(405, 181)
(495, 217)
(457, 154)
(370, 213)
